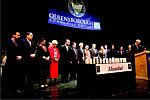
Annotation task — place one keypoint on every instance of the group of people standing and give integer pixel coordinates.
(29, 62)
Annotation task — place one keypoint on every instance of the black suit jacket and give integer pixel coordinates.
(93, 53)
(123, 55)
(135, 50)
(74, 56)
(12, 51)
(112, 53)
(40, 53)
(27, 50)
(65, 56)
(80, 56)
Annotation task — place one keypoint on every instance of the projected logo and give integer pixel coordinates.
(76, 8)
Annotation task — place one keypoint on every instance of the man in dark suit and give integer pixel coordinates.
(136, 48)
(94, 51)
(81, 54)
(65, 60)
(113, 52)
(74, 61)
(121, 53)
(28, 49)
(12, 72)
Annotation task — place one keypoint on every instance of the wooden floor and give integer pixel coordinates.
(69, 91)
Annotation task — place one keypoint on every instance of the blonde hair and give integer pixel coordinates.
(80, 43)
(54, 42)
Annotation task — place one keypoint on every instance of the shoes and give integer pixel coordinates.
(18, 91)
(42, 86)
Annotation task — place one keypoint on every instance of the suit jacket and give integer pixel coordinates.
(27, 50)
(81, 55)
(12, 51)
(129, 53)
(40, 53)
(112, 53)
(94, 53)
(119, 55)
(74, 55)
(65, 56)
(135, 50)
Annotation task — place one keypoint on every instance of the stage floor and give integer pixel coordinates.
(69, 91)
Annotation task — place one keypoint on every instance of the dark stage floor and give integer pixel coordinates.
(69, 90)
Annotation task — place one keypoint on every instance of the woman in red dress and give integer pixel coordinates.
(54, 56)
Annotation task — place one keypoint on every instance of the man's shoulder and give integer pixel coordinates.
(90, 49)
(62, 46)
(78, 49)
(133, 45)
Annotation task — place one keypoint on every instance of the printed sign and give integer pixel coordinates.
(113, 68)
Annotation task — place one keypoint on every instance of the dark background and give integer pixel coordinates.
(121, 22)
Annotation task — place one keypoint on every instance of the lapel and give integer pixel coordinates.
(65, 48)
(14, 43)
(93, 51)
(27, 44)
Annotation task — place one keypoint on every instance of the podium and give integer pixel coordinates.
(142, 65)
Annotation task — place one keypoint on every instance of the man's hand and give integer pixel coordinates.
(56, 59)
(19, 57)
(44, 57)
(83, 58)
(47, 58)
(32, 55)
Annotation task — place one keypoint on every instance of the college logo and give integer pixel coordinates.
(76, 8)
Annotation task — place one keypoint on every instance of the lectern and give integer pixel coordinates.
(142, 65)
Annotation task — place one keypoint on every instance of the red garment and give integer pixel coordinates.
(54, 54)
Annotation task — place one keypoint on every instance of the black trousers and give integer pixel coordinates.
(30, 74)
(44, 72)
(65, 70)
(73, 71)
(12, 77)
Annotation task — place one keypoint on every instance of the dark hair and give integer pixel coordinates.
(41, 40)
(13, 33)
(27, 33)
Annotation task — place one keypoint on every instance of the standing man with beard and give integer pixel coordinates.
(12, 73)
(65, 60)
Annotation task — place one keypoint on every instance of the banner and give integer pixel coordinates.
(68, 19)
